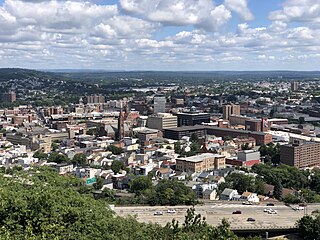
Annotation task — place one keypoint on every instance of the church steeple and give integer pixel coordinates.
(120, 133)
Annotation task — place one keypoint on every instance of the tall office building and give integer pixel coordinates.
(95, 99)
(228, 110)
(300, 154)
(294, 86)
(159, 103)
(10, 96)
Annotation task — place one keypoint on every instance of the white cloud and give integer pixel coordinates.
(133, 34)
(240, 7)
(200, 13)
(299, 11)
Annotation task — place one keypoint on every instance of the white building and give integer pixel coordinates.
(159, 104)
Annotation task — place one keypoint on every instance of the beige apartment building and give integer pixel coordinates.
(199, 163)
(228, 110)
(162, 121)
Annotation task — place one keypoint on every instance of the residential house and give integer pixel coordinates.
(250, 197)
(210, 194)
(64, 168)
(228, 194)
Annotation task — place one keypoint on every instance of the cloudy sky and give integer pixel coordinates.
(161, 34)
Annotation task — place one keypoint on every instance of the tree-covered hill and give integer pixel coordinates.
(40, 204)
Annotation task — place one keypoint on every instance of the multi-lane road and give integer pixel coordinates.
(215, 212)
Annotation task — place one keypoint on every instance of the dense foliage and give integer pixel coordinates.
(271, 153)
(309, 227)
(40, 204)
(243, 183)
(166, 192)
(307, 182)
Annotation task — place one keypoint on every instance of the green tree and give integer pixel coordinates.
(309, 227)
(115, 150)
(245, 146)
(40, 154)
(291, 199)
(54, 146)
(79, 159)
(140, 184)
(194, 137)
(277, 191)
(58, 157)
(99, 183)
(116, 166)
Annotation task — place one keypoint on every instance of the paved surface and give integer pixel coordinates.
(215, 212)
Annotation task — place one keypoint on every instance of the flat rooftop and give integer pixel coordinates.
(206, 127)
(199, 158)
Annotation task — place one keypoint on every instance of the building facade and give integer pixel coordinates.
(159, 104)
(228, 110)
(199, 163)
(300, 154)
(162, 121)
(95, 99)
(192, 118)
(10, 96)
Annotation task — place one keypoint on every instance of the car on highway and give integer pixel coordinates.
(271, 211)
(270, 204)
(158, 213)
(251, 220)
(299, 208)
(171, 211)
(237, 212)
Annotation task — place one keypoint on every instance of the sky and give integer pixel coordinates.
(183, 35)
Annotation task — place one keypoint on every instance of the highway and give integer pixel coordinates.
(215, 212)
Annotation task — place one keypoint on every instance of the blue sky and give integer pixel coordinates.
(161, 34)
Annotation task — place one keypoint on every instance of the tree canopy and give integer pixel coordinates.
(40, 204)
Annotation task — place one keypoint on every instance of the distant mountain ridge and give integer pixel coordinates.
(93, 75)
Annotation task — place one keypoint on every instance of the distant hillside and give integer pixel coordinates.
(19, 73)
(138, 78)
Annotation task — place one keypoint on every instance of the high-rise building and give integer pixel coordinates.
(10, 96)
(228, 110)
(159, 103)
(162, 121)
(95, 99)
(300, 154)
(294, 86)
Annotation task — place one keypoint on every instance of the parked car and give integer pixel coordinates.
(270, 204)
(237, 212)
(247, 203)
(158, 213)
(171, 211)
(251, 220)
(302, 205)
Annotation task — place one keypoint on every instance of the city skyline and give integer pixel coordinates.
(171, 35)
